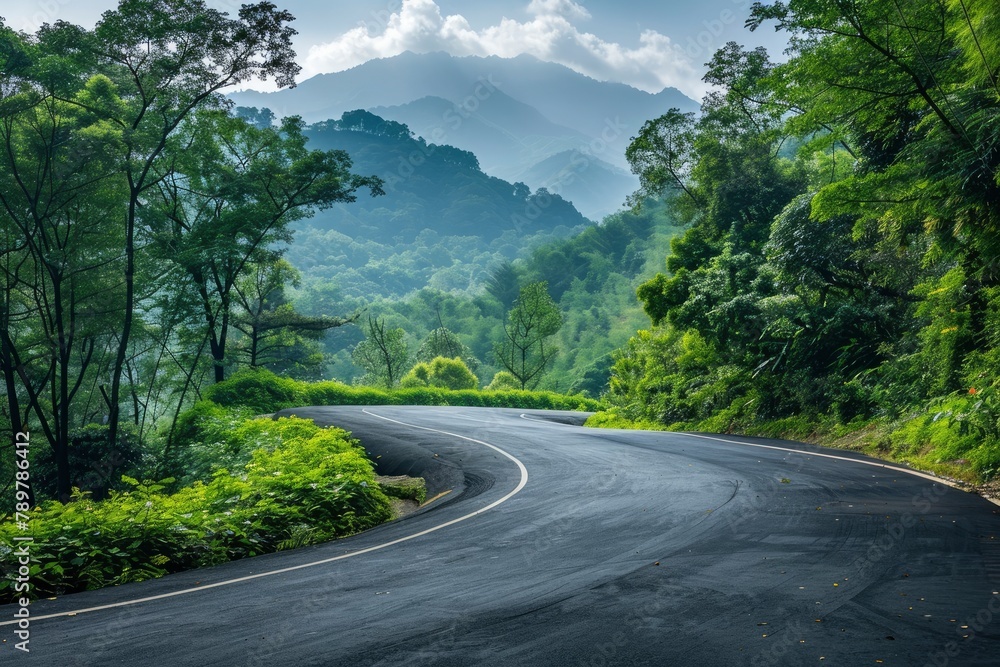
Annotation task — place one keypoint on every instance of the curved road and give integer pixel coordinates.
(559, 545)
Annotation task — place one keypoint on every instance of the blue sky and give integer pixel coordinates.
(648, 44)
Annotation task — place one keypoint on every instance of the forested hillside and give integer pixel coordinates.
(853, 281)
(592, 276)
(441, 222)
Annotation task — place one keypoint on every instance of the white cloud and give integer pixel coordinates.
(550, 34)
(566, 8)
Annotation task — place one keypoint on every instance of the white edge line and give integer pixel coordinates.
(227, 582)
(875, 464)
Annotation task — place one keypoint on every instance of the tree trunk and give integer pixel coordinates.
(129, 307)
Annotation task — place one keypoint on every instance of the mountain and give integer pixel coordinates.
(428, 186)
(442, 223)
(512, 112)
(505, 134)
(593, 186)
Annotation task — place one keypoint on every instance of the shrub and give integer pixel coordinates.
(440, 372)
(303, 484)
(258, 389)
(255, 387)
(503, 380)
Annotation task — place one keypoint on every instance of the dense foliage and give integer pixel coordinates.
(591, 277)
(854, 278)
(297, 484)
(133, 209)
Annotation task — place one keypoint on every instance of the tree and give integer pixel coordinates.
(61, 257)
(441, 372)
(275, 335)
(227, 203)
(525, 350)
(383, 354)
(662, 157)
(164, 59)
(443, 343)
(911, 87)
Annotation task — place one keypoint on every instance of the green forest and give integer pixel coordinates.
(814, 255)
(839, 272)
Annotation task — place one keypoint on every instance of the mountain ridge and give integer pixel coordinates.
(513, 113)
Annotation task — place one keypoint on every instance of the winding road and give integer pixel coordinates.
(552, 544)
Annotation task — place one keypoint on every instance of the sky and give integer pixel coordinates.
(649, 44)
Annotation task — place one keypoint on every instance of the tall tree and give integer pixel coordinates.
(57, 181)
(383, 354)
(274, 334)
(911, 86)
(525, 350)
(164, 59)
(228, 200)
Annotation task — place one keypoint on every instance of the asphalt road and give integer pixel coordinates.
(559, 545)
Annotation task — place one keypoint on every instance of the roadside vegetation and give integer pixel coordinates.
(251, 486)
(262, 391)
(839, 278)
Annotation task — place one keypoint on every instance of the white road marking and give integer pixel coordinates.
(227, 582)
(529, 418)
(874, 464)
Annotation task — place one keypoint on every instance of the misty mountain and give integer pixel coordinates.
(428, 186)
(594, 186)
(505, 134)
(562, 95)
(442, 223)
(511, 112)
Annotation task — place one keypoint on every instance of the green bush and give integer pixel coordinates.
(258, 389)
(252, 389)
(503, 380)
(440, 372)
(302, 484)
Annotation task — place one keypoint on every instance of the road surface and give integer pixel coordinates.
(551, 544)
